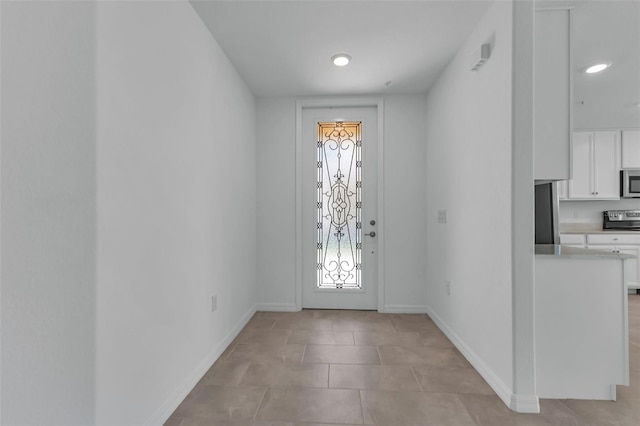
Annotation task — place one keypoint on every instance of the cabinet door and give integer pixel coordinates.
(563, 189)
(581, 186)
(631, 149)
(606, 156)
(631, 266)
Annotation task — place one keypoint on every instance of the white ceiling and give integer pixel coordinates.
(606, 31)
(283, 48)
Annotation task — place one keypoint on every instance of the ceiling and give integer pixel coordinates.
(606, 31)
(283, 48)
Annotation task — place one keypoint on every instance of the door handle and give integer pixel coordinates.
(370, 234)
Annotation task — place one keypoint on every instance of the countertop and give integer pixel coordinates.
(577, 252)
(591, 228)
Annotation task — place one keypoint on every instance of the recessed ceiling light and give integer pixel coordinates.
(597, 68)
(341, 59)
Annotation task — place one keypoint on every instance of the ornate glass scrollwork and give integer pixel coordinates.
(339, 205)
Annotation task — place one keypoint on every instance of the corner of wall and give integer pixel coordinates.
(469, 162)
(522, 210)
(164, 411)
(524, 403)
(497, 384)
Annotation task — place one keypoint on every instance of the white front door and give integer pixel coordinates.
(339, 208)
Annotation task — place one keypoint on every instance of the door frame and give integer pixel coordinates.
(351, 102)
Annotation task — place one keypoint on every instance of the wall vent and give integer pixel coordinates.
(480, 56)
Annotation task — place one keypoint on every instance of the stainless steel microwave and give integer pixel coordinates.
(630, 183)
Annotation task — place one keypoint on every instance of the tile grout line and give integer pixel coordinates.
(260, 404)
(361, 405)
(466, 409)
(379, 356)
(568, 408)
(226, 358)
(243, 374)
(416, 377)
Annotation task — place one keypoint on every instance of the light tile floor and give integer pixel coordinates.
(360, 367)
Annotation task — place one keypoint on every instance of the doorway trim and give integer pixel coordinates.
(350, 102)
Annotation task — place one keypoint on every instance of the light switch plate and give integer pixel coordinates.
(442, 216)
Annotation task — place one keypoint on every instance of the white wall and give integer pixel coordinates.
(405, 208)
(48, 213)
(405, 202)
(176, 207)
(523, 396)
(276, 214)
(119, 334)
(469, 149)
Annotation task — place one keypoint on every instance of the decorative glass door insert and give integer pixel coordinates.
(339, 205)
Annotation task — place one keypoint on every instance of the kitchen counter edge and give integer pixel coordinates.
(600, 231)
(591, 228)
(558, 250)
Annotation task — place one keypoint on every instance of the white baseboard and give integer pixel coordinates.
(525, 403)
(404, 309)
(163, 413)
(277, 307)
(518, 403)
(387, 309)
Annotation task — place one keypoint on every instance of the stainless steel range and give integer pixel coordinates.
(628, 220)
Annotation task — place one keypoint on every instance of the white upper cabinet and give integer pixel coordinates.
(631, 149)
(606, 158)
(581, 186)
(563, 189)
(596, 165)
(552, 90)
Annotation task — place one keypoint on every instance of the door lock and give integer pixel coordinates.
(372, 222)
(370, 234)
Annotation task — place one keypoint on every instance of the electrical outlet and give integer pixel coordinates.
(442, 216)
(214, 302)
(447, 287)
